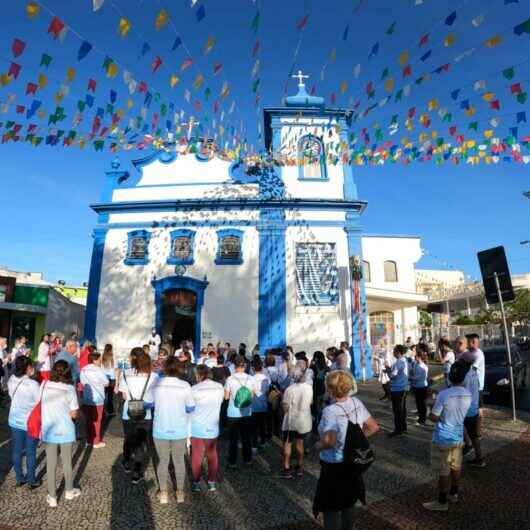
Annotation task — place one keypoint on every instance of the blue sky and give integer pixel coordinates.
(457, 210)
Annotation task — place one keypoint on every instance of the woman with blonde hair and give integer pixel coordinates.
(339, 489)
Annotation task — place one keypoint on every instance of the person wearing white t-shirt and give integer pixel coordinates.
(24, 393)
(135, 384)
(447, 358)
(94, 381)
(260, 404)
(59, 408)
(337, 490)
(208, 397)
(473, 342)
(297, 420)
(44, 358)
(173, 402)
(448, 413)
(154, 342)
(344, 357)
(239, 418)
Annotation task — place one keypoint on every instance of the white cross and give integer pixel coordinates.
(300, 76)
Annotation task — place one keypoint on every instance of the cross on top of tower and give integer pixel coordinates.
(300, 76)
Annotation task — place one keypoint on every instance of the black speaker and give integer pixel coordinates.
(490, 261)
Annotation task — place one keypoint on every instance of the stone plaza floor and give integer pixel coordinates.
(255, 497)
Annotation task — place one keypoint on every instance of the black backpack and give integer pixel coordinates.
(357, 453)
(136, 407)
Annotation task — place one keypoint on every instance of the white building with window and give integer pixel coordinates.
(193, 245)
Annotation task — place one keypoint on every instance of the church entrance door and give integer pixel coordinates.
(179, 313)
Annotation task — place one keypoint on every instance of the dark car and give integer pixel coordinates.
(497, 379)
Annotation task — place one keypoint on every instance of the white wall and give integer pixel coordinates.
(318, 327)
(126, 306)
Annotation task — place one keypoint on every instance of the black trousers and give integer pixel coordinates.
(259, 428)
(109, 398)
(421, 403)
(399, 407)
(240, 427)
(136, 444)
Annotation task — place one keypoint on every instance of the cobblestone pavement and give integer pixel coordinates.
(256, 498)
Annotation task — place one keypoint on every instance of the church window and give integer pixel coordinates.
(390, 271)
(229, 247)
(367, 273)
(138, 248)
(181, 247)
(311, 159)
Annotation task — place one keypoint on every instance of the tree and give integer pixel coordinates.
(518, 310)
(463, 320)
(425, 319)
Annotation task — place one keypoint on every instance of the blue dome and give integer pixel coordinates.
(303, 99)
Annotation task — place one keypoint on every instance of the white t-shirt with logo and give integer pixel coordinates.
(26, 394)
(298, 398)
(94, 381)
(173, 402)
(132, 385)
(43, 357)
(335, 417)
(208, 397)
(58, 400)
(233, 384)
(451, 405)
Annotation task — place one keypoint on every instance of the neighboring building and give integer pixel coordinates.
(430, 281)
(74, 293)
(30, 306)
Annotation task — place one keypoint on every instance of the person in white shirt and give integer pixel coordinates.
(239, 412)
(135, 384)
(19, 348)
(24, 393)
(473, 341)
(59, 408)
(4, 359)
(154, 341)
(260, 404)
(208, 397)
(447, 358)
(344, 357)
(448, 413)
(297, 420)
(337, 490)
(44, 358)
(94, 381)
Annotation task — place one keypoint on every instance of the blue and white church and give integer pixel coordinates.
(200, 249)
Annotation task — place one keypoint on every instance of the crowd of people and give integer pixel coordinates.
(176, 404)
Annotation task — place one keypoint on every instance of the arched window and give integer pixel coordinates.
(391, 274)
(137, 247)
(181, 249)
(367, 273)
(311, 158)
(229, 247)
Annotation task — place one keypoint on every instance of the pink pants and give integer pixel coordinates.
(94, 417)
(198, 447)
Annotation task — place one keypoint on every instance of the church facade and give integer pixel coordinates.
(200, 249)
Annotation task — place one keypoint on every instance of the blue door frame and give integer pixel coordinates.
(180, 282)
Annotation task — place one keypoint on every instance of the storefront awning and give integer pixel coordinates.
(27, 308)
(389, 300)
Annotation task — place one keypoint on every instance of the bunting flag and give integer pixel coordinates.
(42, 81)
(84, 50)
(509, 73)
(32, 9)
(70, 74)
(96, 4)
(217, 68)
(14, 70)
(161, 20)
(173, 80)
(255, 48)
(156, 64)
(403, 58)
(255, 23)
(18, 47)
(302, 23)
(199, 80)
(449, 40)
(524, 27)
(186, 64)
(449, 21)
(493, 42)
(357, 71)
(124, 26)
(210, 43)
(45, 60)
(177, 43)
(91, 85)
(374, 50)
(424, 40)
(391, 29)
(56, 27)
(200, 13)
(478, 20)
(345, 33)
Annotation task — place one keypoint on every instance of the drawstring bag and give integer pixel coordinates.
(357, 453)
(136, 407)
(243, 397)
(34, 423)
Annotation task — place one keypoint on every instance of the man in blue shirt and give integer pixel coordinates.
(399, 375)
(448, 413)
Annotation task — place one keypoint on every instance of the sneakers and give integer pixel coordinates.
(452, 497)
(125, 467)
(35, 485)
(287, 474)
(180, 496)
(435, 506)
(100, 445)
(299, 471)
(212, 486)
(22, 483)
(72, 494)
(163, 497)
(477, 463)
(52, 501)
(195, 487)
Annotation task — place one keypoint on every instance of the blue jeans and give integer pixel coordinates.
(20, 442)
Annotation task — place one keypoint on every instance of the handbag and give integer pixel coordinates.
(136, 407)
(357, 453)
(34, 423)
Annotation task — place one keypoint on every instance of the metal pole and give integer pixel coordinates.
(507, 340)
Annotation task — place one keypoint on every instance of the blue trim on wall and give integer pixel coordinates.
(135, 235)
(272, 312)
(94, 281)
(181, 282)
(172, 260)
(229, 232)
